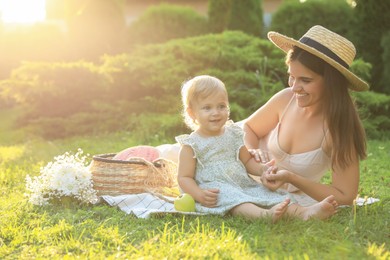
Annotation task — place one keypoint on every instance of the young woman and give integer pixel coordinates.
(312, 127)
(214, 163)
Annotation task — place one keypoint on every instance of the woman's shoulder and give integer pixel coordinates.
(283, 96)
(279, 101)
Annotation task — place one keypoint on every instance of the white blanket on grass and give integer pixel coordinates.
(144, 205)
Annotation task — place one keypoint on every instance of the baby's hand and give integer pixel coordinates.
(259, 155)
(209, 198)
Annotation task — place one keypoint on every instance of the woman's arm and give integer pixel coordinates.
(186, 179)
(266, 118)
(344, 186)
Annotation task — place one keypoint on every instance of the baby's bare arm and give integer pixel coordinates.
(186, 179)
(252, 166)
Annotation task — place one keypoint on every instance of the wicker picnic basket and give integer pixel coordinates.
(136, 175)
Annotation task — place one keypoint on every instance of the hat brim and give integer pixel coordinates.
(286, 43)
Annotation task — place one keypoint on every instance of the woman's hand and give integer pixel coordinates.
(259, 155)
(273, 178)
(209, 198)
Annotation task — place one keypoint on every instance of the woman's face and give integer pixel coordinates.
(307, 85)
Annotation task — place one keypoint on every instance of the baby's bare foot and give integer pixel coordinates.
(322, 210)
(277, 211)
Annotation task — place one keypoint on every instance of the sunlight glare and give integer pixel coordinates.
(22, 11)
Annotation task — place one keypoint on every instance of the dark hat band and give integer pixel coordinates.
(323, 49)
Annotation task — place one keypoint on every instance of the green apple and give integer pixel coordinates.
(185, 202)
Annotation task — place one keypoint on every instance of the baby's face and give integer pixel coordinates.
(211, 114)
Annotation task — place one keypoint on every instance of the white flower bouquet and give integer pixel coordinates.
(67, 176)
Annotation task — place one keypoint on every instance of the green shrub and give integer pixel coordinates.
(101, 118)
(362, 69)
(140, 91)
(294, 18)
(386, 62)
(157, 71)
(372, 23)
(146, 128)
(147, 80)
(165, 22)
(55, 89)
(374, 110)
(156, 128)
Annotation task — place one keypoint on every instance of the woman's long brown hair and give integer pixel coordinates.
(345, 127)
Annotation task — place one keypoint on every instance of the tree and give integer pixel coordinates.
(386, 64)
(219, 14)
(303, 15)
(245, 16)
(372, 23)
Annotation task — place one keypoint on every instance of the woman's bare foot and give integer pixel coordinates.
(277, 211)
(321, 210)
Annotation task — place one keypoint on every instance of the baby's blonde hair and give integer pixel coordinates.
(197, 88)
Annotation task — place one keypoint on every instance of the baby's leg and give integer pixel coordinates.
(321, 210)
(251, 211)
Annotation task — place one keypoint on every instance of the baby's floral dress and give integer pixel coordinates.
(218, 166)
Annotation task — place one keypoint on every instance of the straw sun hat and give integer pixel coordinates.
(327, 45)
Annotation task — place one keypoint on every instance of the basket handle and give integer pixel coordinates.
(158, 163)
(139, 160)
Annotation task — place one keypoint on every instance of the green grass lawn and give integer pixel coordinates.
(103, 232)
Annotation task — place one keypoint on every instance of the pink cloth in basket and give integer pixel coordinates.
(146, 152)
